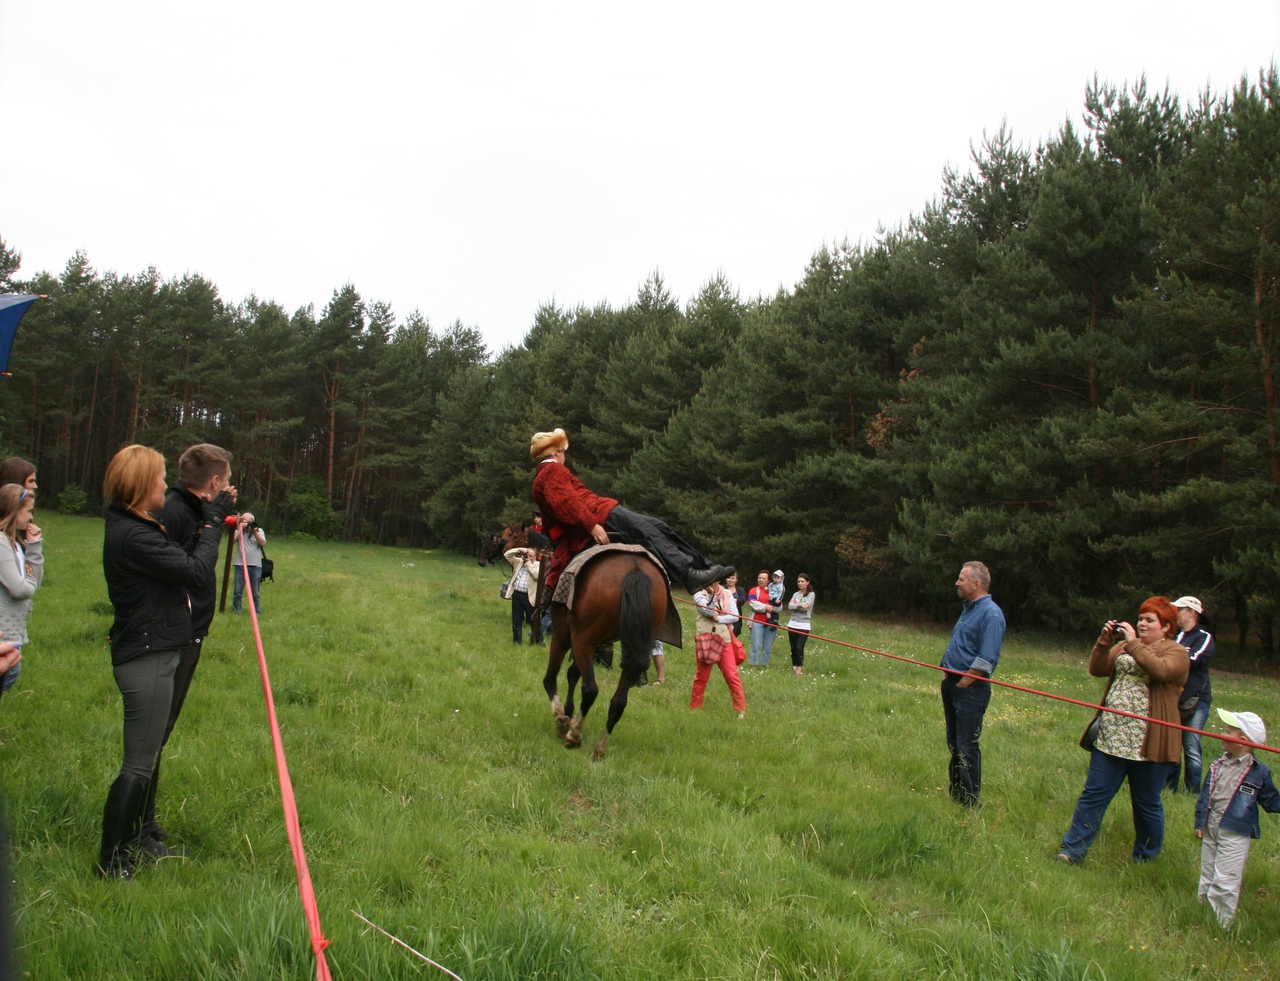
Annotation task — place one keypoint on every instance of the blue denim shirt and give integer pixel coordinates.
(975, 641)
(1242, 810)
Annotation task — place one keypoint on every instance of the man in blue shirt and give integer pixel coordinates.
(971, 654)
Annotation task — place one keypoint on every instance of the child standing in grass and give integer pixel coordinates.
(21, 569)
(1227, 814)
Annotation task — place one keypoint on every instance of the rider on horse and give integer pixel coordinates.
(575, 518)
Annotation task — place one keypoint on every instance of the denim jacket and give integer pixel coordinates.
(1242, 810)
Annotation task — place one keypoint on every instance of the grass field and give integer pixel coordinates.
(814, 839)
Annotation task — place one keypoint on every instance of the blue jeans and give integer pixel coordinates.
(963, 709)
(255, 583)
(1194, 761)
(762, 638)
(10, 677)
(1106, 774)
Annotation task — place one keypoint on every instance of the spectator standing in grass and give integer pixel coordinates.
(1197, 693)
(524, 578)
(970, 659)
(204, 472)
(713, 645)
(798, 627)
(659, 656)
(16, 470)
(1146, 671)
(149, 577)
(1227, 814)
(761, 633)
(21, 571)
(254, 542)
(777, 596)
(739, 600)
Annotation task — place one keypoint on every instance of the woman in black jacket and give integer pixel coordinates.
(147, 575)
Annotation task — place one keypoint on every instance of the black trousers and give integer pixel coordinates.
(146, 686)
(521, 613)
(678, 556)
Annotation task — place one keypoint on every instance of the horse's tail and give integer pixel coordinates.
(635, 622)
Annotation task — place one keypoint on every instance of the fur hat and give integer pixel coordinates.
(544, 444)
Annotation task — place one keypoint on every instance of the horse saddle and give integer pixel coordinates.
(668, 633)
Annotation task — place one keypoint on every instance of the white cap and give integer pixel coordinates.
(1189, 603)
(1253, 728)
(778, 573)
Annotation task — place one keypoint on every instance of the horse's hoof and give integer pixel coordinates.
(562, 727)
(570, 744)
(597, 755)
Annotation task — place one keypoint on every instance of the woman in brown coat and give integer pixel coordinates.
(1146, 671)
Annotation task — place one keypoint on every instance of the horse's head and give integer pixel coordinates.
(490, 549)
(514, 537)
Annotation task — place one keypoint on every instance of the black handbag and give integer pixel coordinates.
(1187, 707)
(268, 569)
(1091, 733)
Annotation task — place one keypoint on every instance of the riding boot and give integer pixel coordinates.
(150, 827)
(151, 836)
(121, 818)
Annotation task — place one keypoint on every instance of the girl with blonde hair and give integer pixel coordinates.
(21, 570)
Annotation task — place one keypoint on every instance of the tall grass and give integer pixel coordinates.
(814, 839)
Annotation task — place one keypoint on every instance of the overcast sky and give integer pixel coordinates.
(475, 160)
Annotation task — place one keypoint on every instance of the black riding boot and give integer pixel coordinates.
(151, 838)
(120, 821)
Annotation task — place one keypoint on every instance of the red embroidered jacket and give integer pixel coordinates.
(569, 511)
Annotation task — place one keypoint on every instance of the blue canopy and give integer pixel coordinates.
(12, 307)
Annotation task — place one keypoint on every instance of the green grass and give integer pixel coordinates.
(814, 839)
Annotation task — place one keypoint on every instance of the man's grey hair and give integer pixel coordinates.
(979, 573)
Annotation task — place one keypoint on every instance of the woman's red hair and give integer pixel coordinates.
(1164, 610)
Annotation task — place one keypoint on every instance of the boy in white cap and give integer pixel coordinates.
(1227, 813)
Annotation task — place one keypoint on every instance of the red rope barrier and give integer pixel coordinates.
(305, 890)
(1009, 684)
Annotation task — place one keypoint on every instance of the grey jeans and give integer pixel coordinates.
(146, 685)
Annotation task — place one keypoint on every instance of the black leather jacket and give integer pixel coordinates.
(148, 577)
(181, 517)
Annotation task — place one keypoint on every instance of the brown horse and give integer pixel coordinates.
(618, 596)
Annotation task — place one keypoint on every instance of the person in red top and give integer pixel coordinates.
(574, 518)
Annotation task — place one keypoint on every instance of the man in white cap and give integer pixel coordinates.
(1227, 813)
(574, 518)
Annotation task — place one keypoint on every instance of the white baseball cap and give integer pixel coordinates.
(1189, 603)
(1253, 727)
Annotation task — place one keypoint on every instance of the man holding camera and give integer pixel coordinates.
(250, 566)
(204, 472)
(971, 654)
